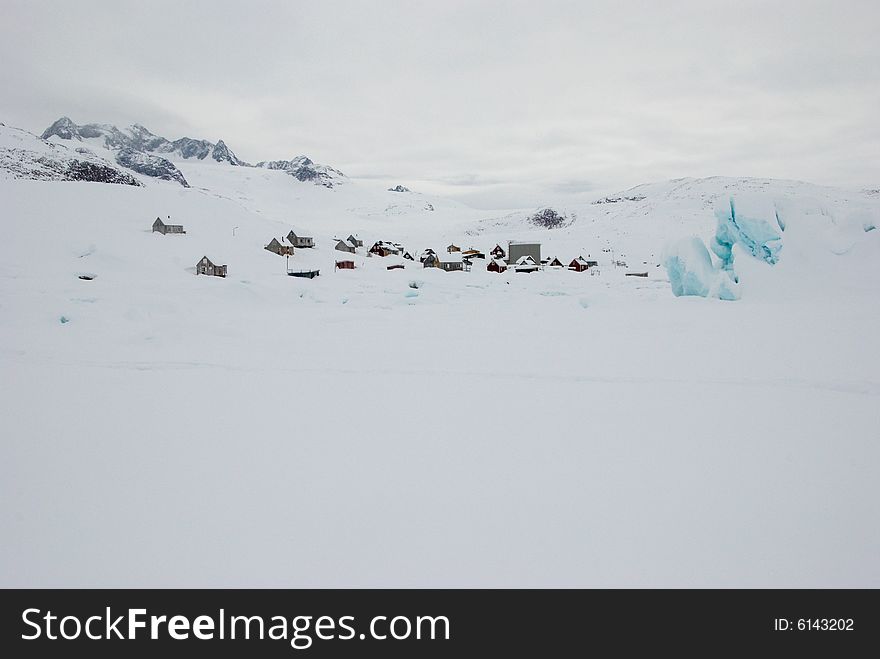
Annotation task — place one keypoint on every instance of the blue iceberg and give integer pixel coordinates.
(757, 236)
(691, 268)
(691, 271)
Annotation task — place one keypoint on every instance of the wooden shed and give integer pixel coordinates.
(206, 267)
(354, 240)
(453, 248)
(345, 265)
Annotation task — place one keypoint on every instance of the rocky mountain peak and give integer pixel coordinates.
(63, 128)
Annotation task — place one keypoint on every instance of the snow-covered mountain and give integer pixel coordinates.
(138, 138)
(304, 169)
(137, 148)
(24, 156)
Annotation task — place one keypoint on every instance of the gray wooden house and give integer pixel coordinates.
(300, 241)
(279, 248)
(453, 262)
(354, 240)
(345, 246)
(160, 227)
(206, 267)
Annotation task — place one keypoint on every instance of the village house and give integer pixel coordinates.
(431, 261)
(279, 248)
(453, 248)
(580, 264)
(453, 262)
(425, 254)
(516, 250)
(300, 241)
(555, 263)
(354, 240)
(345, 246)
(496, 265)
(383, 248)
(345, 265)
(206, 267)
(498, 252)
(160, 227)
(526, 264)
(473, 254)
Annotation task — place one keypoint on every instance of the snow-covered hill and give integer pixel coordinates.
(415, 427)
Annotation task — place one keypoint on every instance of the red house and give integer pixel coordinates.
(496, 265)
(580, 264)
(345, 265)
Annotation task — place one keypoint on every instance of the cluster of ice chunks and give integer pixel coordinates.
(690, 266)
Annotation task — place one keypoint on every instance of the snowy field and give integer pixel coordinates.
(421, 428)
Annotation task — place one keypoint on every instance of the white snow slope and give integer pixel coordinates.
(420, 428)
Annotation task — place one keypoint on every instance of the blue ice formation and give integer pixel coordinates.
(691, 271)
(755, 235)
(690, 266)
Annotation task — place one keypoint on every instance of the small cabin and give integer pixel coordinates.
(300, 241)
(160, 227)
(345, 265)
(453, 248)
(206, 267)
(498, 252)
(431, 261)
(580, 264)
(496, 265)
(555, 263)
(473, 254)
(345, 246)
(354, 240)
(279, 248)
(526, 263)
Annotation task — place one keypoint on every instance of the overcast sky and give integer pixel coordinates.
(501, 104)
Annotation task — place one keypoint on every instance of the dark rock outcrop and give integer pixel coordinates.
(150, 165)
